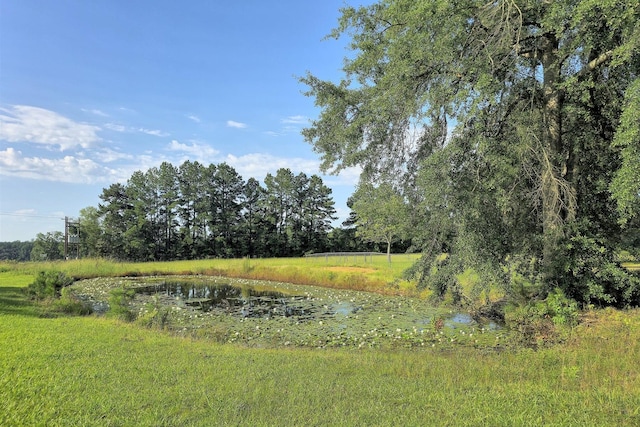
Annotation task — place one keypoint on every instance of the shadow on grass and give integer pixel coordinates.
(13, 301)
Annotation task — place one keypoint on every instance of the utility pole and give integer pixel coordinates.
(71, 237)
(66, 237)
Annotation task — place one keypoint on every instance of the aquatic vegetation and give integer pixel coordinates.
(274, 314)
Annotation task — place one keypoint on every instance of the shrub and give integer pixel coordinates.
(69, 303)
(48, 284)
(541, 323)
(523, 278)
(590, 273)
(120, 304)
(625, 256)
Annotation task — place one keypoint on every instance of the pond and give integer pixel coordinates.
(268, 314)
(239, 301)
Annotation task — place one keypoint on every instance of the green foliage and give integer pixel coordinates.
(542, 323)
(69, 303)
(90, 232)
(625, 257)
(48, 246)
(590, 273)
(381, 214)
(195, 211)
(626, 184)
(48, 284)
(16, 251)
(154, 315)
(120, 304)
(51, 289)
(439, 276)
(544, 100)
(524, 279)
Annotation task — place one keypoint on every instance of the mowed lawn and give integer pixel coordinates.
(71, 371)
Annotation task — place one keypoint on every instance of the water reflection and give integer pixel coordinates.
(459, 319)
(236, 300)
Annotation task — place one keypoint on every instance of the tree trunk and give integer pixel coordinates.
(557, 191)
(389, 251)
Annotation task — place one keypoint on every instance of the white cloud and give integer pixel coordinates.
(196, 151)
(128, 129)
(296, 120)
(67, 169)
(237, 125)
(258, 165)
(290, 124)
(107, 155)
(115, 127)
(286, 130)
(153, 132)
(23, 123)
(194, 118)
(95, 112)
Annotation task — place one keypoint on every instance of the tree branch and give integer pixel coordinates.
(595, 63)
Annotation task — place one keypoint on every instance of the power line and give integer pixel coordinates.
(24, 215)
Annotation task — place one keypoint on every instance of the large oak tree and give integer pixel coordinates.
(502, 120)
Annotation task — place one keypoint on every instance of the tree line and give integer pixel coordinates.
(193, 211)
(196, 211)
(16, 250)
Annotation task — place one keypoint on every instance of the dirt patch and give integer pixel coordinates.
(351, 269)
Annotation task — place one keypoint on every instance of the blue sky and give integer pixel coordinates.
(91, 91)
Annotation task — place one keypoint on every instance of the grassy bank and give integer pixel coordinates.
(374, 274)
(96, 371)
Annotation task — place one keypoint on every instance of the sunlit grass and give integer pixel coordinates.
(95, 371)
(375, 274)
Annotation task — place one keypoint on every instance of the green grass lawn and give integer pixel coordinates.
(68, 371)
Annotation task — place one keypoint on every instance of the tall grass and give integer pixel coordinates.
(375, 274)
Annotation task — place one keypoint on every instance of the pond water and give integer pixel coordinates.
(239, 301)
(260, 313)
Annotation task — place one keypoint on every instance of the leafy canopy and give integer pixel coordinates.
(380, 214)
(509, 125)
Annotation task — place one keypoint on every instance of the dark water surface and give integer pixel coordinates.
(242, 301)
